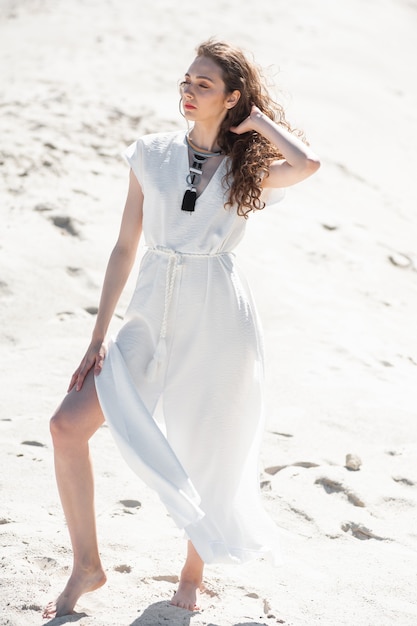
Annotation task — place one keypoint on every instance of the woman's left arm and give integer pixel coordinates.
(299, 161)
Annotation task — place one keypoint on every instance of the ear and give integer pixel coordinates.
(232, 99)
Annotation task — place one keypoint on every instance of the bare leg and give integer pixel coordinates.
(74, 422)
(191, 581)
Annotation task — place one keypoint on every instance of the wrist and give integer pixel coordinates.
(259, 120)
(98, 336)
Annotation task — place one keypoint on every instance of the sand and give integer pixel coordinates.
(333, 269)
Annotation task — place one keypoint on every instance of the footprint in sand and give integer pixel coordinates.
(361, 532)
(46, 562)
(274, 469)
(66, 224)
(268, 613)
(403, 480)
(130, 506)
(37, 444)
(265, 485)
(400, 260)
(44, 207)
(31, 607)
(335, 486)
(75, 271)
(266, 609)
(64, 315)
(166, 579)
(123, 569)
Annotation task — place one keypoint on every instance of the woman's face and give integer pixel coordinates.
(204, 98)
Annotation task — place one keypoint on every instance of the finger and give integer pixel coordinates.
(81, 376)
(99, 362)
(80, 381)
(72, 381)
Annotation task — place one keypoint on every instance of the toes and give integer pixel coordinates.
(186, 606)
(49, 612)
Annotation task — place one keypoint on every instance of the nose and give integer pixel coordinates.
(187, 90)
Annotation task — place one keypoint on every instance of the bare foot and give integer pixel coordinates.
(187, 595)
(75, 587)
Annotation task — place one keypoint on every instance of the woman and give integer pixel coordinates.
(190, 345)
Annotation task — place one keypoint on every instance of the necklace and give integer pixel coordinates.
(200, 156)
(201, 151)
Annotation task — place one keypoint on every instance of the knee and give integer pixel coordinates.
(59, 427)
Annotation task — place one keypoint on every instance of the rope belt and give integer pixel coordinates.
(175, 261)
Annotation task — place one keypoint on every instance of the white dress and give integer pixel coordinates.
(191, 346)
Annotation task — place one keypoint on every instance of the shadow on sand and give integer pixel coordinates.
(158, 614)
(162, 613)
(65, 619)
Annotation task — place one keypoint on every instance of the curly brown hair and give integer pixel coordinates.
(250, 153)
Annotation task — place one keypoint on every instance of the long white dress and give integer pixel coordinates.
(191, 346)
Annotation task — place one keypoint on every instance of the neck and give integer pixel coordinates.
(203, 138)
(200, 151)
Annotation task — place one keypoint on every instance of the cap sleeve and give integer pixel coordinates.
(134, 156)
(272, 195)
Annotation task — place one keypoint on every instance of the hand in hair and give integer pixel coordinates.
(247, 124)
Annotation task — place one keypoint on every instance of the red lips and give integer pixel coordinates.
(189, 106)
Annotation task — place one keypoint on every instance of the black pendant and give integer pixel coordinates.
(188, 202)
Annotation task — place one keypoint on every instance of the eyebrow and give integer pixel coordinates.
(201, 77)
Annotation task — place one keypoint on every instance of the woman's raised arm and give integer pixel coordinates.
(299, 160)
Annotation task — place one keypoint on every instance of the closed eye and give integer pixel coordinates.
(183, 83)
